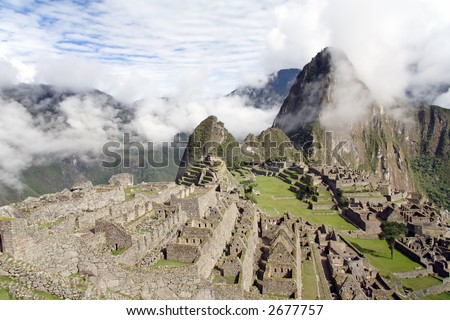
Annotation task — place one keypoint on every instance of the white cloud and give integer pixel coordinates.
(443, 100)
(8, 73)
(192, 51)
(393, 44)
(163, 41)
(349, 98)
(70, 72)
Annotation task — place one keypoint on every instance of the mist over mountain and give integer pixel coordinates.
(330, 102)
(52, 137)
(271, 94)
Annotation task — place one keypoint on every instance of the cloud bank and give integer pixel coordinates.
(394, 45)
(81, 124)
(193, 52)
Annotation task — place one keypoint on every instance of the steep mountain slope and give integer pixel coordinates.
(332, 116)
(273, 93)
(432, 164)
(271, 144)
(210, 137)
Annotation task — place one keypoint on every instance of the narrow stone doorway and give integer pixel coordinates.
(1, 243)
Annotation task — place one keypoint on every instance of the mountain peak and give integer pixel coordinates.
(328, 81)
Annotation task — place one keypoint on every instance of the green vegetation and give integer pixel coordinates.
(441, 296)
(225, 279)
(433, 174)
(309, 281)
(47, 296)
(4, 294)
(6, 218)
(44, 225)
(170, 263)
(6, 279)
(118, 251)
(341, 199)
(131, 192)
(420, 283)
(378, 253)
(390, 231)
(248, 186)
(275, 145)
(275, 198)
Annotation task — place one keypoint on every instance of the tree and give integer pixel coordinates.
(390, 231)
(341, 198)
(248, 186)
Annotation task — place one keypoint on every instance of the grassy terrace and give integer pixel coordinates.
(170, 263)
(4, 295)
(441, 296)
(420, 283)
(272, 187)
(377, 251)
(309, 281)
(130, 192)
(242, 174)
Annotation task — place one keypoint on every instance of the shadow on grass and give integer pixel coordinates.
(369, 251)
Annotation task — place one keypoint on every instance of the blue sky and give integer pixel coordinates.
(207, 48)
(160, 41)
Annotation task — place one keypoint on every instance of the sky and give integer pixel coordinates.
(196, 52)
(136, 48)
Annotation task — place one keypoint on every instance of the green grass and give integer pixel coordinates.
(131, 192)
(309, 281)
(47, 296)
(379, 255)
(272, 186)
(6, 218)
(242, 175)
(421, 283)
(440, 296)
(170, 263)
(325, 211)
(323, 202)
(227, 279)
(45, 225)
(4, 294)
(6, 279)
(118, 251)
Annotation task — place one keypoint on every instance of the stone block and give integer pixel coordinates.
(87, 268)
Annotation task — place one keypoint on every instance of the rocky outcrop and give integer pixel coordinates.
(209, 138)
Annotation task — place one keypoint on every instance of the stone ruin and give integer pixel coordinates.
(199, 240)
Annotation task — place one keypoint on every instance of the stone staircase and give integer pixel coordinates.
(199, 174)
(18, 291)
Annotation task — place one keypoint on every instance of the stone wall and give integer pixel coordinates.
(445, 287)
(116, 236)
(198, 205)
(248, 256)
(182, 252)
(283, 287)
(211, 251)
(412, 274)
(6, 236)
(228, 292)
(55, 206)
(410, 253)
